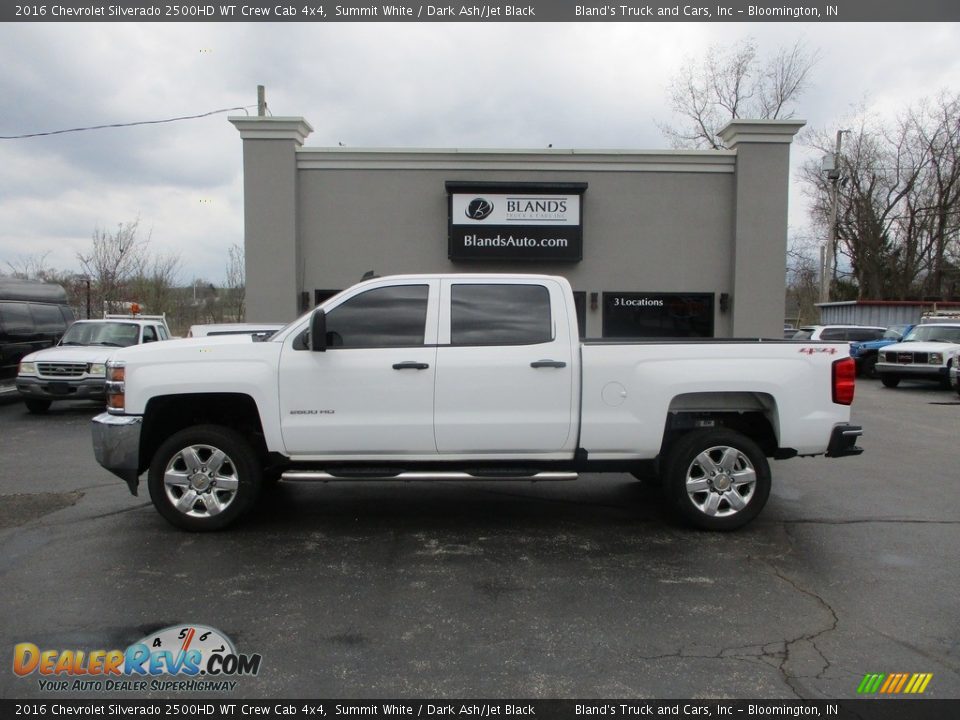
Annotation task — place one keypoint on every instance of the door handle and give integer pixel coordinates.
(410, 366)
(548, 363)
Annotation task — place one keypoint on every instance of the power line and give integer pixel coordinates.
(119, 125)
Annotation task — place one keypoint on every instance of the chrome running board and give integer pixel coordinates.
(323, 476)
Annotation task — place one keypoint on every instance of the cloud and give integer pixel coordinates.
(584, 85)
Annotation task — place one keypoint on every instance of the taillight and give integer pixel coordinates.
(843, 380)
(116, 387)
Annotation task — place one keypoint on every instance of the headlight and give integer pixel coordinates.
(935, 359)
(27, 368)
(116, 374)
(98, 369)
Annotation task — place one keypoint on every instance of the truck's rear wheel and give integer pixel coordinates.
(204, 477)
(717, 479)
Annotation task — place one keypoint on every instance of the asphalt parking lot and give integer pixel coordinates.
(586, 589)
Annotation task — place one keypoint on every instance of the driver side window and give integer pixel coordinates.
(394, 316)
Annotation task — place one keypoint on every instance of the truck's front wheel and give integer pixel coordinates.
(204, 477)
(717, 479)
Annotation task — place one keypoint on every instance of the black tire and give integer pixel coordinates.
(37, 407)
(214, 505)
(868, 368)
(725, 505)
(890, 381)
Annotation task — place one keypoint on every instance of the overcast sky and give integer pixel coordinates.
(365, 85)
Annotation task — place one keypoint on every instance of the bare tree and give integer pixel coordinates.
(898, 201)
(114, 260)
(153, 285)
(803, 279)
(235, 282)
(31, 267)
(733, 82)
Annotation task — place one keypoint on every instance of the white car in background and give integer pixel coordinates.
(836, 333)
(928, 352)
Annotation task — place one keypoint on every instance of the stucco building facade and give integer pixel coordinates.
(655, 243)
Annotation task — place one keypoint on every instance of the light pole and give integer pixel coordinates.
(831, 167)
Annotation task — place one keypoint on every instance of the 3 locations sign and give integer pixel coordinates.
(515, 221)
(657, 315)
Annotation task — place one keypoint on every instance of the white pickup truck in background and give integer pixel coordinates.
(75, 368)
(425, 377)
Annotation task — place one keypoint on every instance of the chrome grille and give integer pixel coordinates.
(907, 358)
(61, 370)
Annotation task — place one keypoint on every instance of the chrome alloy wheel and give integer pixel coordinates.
(720, 481)
(200, 481)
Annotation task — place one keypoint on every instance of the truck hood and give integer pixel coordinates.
(200, 348)
(73, 354)
(927, 347)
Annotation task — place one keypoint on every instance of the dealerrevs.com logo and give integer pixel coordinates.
(199, 657)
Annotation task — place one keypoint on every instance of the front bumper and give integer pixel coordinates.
(116, 445)
(843, 441)
(47, 389)
(916, 370)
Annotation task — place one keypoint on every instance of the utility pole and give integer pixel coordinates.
(830, 262)
(261, 101)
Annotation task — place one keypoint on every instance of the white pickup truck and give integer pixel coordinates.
(75, 369)
(422, 377)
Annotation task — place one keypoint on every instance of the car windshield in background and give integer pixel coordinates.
(115, 334)
(894, 332)
(934, 333)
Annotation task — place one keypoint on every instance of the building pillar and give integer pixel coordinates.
(271, 246)
(760, 223)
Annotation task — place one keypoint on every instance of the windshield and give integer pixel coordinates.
(894, 332)
(934, 333)
(113, 334)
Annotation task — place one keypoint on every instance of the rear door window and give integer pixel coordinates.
(500, 315)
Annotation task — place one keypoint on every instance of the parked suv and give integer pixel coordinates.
(834, 333)
(866, 353)
(33, 316)
(76, 368)
(928, 352)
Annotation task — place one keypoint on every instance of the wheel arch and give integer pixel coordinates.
(168, 414)
(752, 414)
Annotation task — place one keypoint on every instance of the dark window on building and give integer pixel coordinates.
(580, 301)
(383, 317)
(47, 319)
(320, 295)
(500, 315)
(657, 315)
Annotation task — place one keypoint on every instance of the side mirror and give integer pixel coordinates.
(318, 331)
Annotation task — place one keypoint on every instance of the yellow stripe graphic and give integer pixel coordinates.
(926, 681)
(913, 683)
